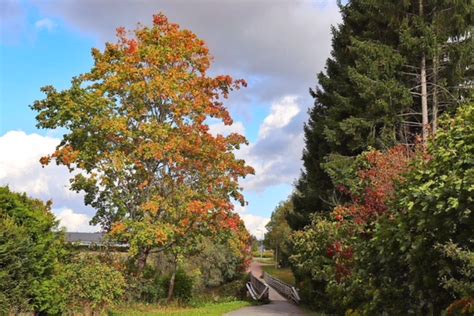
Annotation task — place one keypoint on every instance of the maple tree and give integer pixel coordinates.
(138, 143)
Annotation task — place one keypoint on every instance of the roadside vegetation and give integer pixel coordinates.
(380, 221)
(208, 309)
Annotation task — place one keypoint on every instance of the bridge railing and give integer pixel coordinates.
(258, 290)
(285, 289)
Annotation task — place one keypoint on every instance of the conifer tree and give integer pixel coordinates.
(393, 68)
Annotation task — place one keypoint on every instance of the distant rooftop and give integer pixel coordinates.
(91, 239)
(85, 238)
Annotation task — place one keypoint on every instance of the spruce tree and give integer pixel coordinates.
(356, 102)
(389, 61)
(436, 37)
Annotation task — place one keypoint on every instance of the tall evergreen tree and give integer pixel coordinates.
(436, 37)
(356, 103)
(389, 60)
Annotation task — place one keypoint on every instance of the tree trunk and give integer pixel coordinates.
(172, 282)
(276, 257)
(171, 287)
(424, 100)
(142, 259)
(424, 91)
(435, 93)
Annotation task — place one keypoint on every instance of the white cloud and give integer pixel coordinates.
(74, 222)
(20, 156)
(45, 24)
(282, 112)
(276, 154)
(221, 128)
(21, 170)
(255, 224)
(278, 46)
(282, 44)
(239, 209)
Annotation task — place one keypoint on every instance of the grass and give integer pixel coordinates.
(264, 260)
(208, 309)
(284, 274)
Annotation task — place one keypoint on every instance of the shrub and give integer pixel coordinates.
(152, 288)
(221, 258)
(183, 287)
(264, 254)
(403, 244)
(235, 289)
(432, 207)
(31, 248)
(84, 285)
(461, 280)
(325, 253)
(14, 276)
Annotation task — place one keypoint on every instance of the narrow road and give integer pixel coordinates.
(278, 304)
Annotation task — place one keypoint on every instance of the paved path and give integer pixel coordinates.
(278, 305)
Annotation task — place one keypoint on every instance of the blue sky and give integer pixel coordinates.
(49, 42)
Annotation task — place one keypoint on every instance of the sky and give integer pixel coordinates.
(277, 46)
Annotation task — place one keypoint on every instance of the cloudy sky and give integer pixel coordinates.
(278, 46)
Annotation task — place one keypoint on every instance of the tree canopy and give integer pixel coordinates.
(278, 231)
(137, 135)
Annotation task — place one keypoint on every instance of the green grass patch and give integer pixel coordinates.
(264, 260)
(209, 309)
(284, 274)
(265, 254)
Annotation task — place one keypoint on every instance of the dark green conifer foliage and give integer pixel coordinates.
(370, 92)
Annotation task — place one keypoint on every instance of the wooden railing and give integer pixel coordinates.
(285, 289)
(258, 290)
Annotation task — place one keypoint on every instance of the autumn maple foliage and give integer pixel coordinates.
(138, 144)
(377, 175)
(329, 250)
(376, 184)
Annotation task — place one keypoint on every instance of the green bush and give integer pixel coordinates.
(235, 289)
(318, 273)
(183, 286)
(14, 276)
(37, 272)
(461, 280)
(264, 254)
(31, 248)
(84, 285)
(152, 288)
(415, 257)
(218, 261)
(432, 207)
